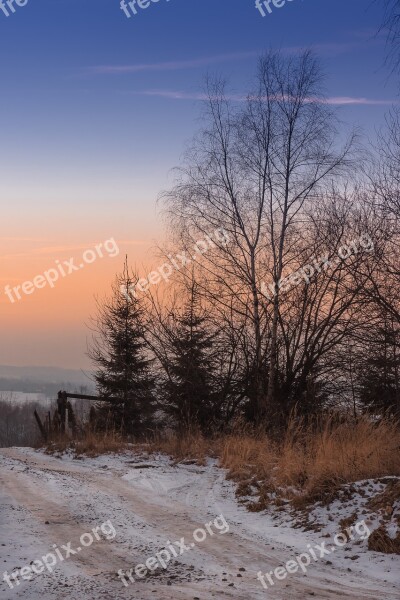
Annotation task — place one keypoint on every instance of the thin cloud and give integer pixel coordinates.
(175, 95)
(60, 250)
(132, 242)
(331, 49)
(325, 48)
(333, 100)
(170, 65)
(23, 239)
(345, 100)
(368, 33)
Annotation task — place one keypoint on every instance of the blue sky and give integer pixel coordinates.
(96, 108)
(67, 105)
(60, 108)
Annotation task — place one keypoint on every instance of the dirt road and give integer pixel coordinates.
(47, 502)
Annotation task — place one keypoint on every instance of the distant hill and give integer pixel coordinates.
(46, 380)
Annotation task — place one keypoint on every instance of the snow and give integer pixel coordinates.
(151, 501)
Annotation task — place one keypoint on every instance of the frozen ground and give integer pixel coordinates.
(47, 501)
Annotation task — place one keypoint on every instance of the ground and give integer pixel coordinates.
(48, 501)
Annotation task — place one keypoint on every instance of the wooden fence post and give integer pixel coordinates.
(40, 425)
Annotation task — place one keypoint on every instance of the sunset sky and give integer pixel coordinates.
(96, 110)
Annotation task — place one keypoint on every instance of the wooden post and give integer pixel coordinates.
(40, 425)
(62, 407)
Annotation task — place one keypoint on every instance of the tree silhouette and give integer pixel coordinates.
(123, 368)
(190, 396)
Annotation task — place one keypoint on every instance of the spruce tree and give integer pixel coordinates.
(379, 376)
(189, 392)
(123, 372)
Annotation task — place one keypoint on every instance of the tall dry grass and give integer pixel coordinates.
(311, 463)
(89, 444)
(191, 447)
(306, 465)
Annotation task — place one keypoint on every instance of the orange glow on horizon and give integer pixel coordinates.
(52, 321)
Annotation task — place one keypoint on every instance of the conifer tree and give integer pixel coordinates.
(123, 372)
(379, 377)
(190, 394)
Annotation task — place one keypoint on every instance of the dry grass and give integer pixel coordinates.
(191, 447)
(308, 465)
(248, 456)
(388, 498)
(310, 461)
(379, 541)
(90, 444)
(311, 464)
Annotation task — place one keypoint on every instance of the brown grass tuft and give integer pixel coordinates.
(379, 541)
(90, 444)
(191, 447)
(311, 464)
(385, 501)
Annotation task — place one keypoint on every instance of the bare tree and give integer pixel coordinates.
(383, 199)
(255, 170)
(391, 26)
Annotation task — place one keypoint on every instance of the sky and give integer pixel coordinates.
(96, 109)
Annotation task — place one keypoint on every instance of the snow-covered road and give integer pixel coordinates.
(47, 501)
